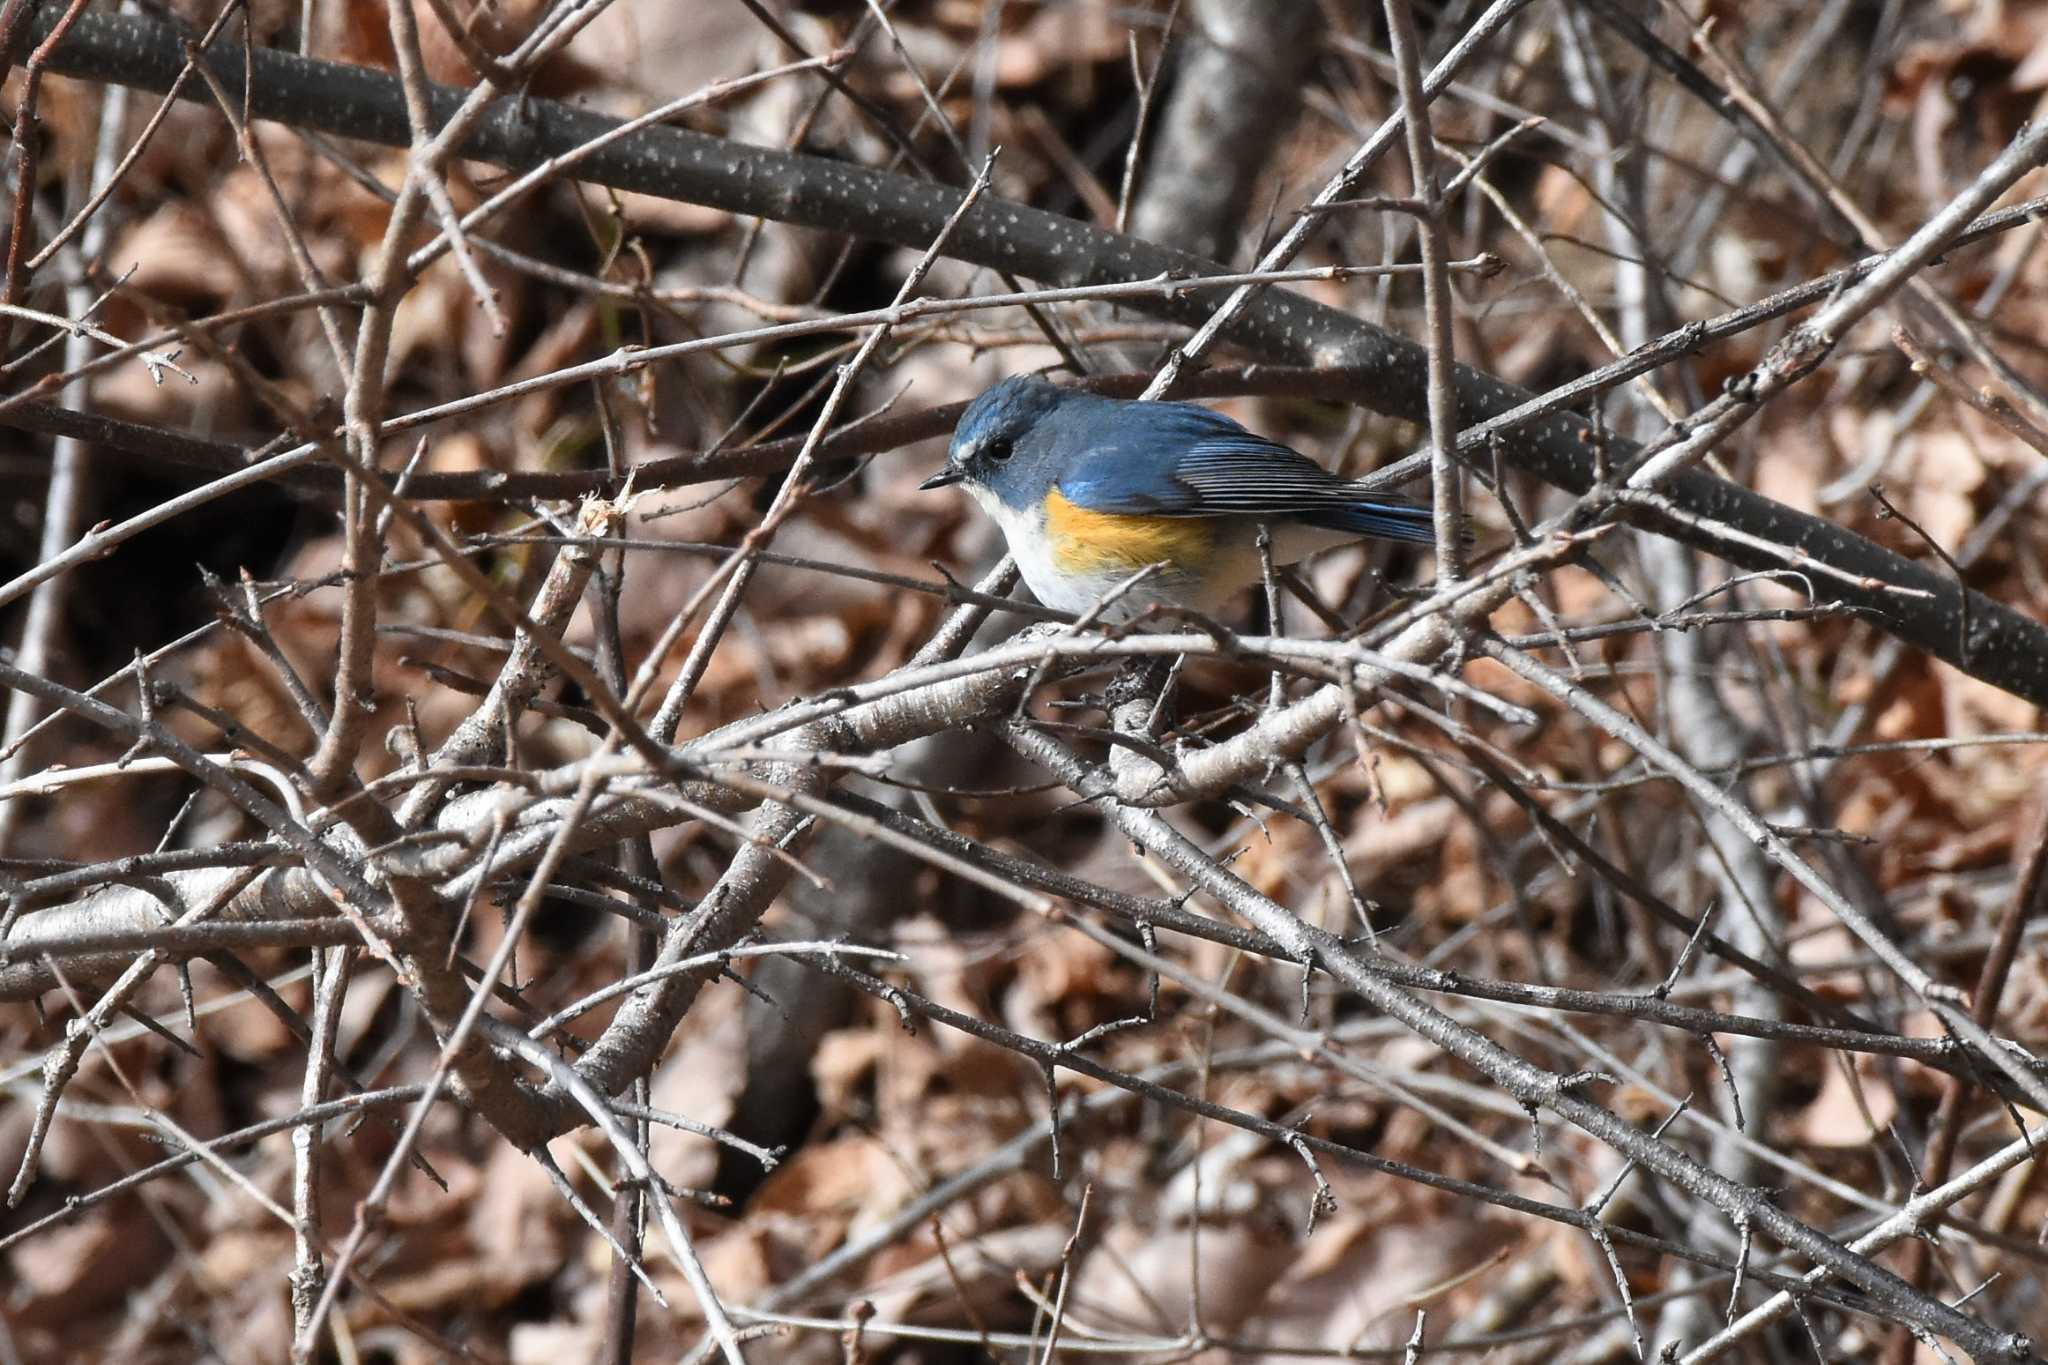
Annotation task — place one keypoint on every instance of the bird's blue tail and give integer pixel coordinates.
(1380, 517)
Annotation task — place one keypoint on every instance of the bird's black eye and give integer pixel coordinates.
(997, 450)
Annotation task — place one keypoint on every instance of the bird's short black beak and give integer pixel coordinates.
(939, 480)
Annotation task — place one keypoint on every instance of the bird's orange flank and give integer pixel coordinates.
(1085, 542)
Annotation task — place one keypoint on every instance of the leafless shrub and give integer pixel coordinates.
(572, 871)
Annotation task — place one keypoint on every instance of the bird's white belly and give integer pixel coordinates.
(1031, 547)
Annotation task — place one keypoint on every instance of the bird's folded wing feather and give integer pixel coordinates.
(1186, 461)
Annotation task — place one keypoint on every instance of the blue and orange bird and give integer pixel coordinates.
(1089, 491)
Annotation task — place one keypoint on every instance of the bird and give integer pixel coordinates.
(1089, 491)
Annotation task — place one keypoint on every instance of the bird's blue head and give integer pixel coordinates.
(1004, 449)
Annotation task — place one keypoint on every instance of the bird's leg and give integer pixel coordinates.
(1270, 574)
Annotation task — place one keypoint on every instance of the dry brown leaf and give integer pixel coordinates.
(1846, 1114)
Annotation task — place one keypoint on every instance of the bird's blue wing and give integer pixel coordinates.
(1180, 460)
